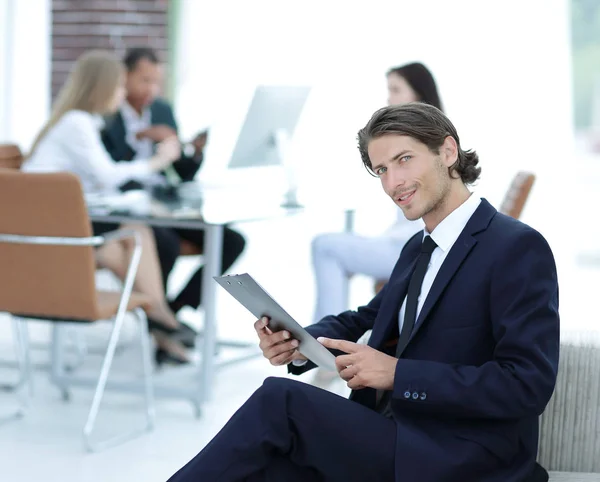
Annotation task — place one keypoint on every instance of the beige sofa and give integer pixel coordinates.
(570, 426)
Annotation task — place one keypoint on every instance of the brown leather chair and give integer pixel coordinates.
(517, 194)
(11, 156)
(512, 204)
(48, 273)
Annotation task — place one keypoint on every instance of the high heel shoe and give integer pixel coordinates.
(154, 325)
(163, 357)
(186, 335)
(183, 333)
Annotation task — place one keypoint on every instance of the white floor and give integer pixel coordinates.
(46, 444)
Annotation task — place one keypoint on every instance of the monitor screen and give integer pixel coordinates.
(273, 110)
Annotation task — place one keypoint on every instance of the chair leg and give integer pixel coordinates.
(21, 344)
(80, 348)
(23, 333)
(147, 367)
(102, 380)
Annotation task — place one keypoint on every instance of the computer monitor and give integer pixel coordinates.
(269, 124)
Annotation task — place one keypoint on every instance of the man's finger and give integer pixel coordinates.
(355, 384)
(341, 345)
(344, 361)
(283, 359)
(261, 327)
(348, 373)
(273, 339)
(276, 350)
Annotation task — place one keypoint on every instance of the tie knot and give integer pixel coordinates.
(428, 245)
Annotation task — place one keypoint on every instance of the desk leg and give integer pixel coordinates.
(207, 342)
(349, 221)
(348, 228)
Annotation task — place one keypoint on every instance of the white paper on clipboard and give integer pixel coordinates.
(258, 302)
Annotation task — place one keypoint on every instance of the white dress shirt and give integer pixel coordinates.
(445, 235)
(73, 144)
(134, 123)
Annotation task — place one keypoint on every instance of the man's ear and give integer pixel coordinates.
(449, 151)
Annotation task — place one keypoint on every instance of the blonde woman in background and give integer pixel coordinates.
(70, 141)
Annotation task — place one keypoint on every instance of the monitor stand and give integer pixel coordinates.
(281, 140)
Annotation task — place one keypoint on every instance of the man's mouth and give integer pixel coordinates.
(406, 197)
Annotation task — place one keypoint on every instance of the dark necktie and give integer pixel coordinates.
(410, 314)
(414, 290)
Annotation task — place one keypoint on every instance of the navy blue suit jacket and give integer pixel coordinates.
(114, 139)
(482, 360)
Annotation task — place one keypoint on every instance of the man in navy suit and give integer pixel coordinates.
(463, 355)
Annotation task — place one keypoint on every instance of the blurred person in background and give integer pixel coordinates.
(337, 256)
(141, 123)
(70, 141)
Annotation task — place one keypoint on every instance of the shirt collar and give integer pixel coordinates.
(129, 113)
(98, 121)
(448, 231)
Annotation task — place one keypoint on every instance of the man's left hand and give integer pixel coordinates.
(157, 133)
(363, 366)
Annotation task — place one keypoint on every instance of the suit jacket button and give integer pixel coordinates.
(423, 396)
(406, 394)
(415, 395)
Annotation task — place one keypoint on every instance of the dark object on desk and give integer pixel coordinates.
(131, 186)
(167, 194)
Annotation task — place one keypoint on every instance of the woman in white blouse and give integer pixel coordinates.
(70, 141)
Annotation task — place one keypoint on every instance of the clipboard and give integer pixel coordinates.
(258, 302)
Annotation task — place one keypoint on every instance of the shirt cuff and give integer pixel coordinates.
(299, 363)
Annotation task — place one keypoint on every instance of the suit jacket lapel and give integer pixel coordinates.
(154, 115)
(457, 255)
(455, 258)
(115, 128)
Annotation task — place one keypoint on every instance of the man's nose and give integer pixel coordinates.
(394, 180)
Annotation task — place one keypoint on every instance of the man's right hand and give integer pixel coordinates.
(167, 152)
(277, 347)
(157, 133)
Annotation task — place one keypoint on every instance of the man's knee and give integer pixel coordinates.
(325, 244)
(273, 386)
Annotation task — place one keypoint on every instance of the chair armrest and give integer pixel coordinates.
(52, 240)
(71, 241)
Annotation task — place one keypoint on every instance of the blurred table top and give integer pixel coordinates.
(194, 206)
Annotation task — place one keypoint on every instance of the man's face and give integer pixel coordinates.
(414, 177)
(143, 83)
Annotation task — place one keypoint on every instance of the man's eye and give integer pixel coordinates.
(406, 158)
(380, 170)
